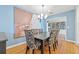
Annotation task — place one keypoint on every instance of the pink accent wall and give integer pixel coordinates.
(22, 18)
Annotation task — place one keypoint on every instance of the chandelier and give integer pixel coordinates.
(42, 15)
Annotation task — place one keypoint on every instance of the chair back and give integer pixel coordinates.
(53, 35)
(30, 38)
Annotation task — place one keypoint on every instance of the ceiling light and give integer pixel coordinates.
(42, 15)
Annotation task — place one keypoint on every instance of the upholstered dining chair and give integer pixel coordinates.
(53, 41)
(31, 44)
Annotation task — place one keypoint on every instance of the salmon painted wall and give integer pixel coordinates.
(22, 18)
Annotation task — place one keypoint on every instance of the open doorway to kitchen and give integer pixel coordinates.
(58, 23)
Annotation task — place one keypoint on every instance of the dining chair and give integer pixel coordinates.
(30, 41)
(35, 32)
(53, 41)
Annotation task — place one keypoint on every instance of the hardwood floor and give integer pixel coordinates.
(64, 47)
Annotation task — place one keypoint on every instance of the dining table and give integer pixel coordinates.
(42, 37)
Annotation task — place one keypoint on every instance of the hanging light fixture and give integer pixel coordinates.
(42, 15)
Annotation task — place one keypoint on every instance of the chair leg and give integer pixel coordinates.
(54, 47)
(56, 44)
(33, 51)
(39, 47)
(27, 49)
(49, 50)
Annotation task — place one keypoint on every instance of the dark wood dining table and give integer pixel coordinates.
(42, 37)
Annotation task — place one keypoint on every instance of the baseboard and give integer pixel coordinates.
(77, 43)
(15, 45)
(71, 41)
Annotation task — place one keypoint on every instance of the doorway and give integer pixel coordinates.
(58, 23)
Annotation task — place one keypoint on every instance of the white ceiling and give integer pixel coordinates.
(47, 9)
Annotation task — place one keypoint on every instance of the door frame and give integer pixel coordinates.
(59, 19)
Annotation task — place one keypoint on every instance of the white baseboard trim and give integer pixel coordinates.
(15, 45)
(71, 41)
(77, 43)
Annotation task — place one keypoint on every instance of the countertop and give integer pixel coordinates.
(2, 36)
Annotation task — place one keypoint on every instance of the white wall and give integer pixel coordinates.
(77, 24)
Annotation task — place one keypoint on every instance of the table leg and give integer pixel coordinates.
(27, 49)
(49, 46)
(42, 47)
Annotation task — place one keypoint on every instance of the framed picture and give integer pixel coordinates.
(21, 19)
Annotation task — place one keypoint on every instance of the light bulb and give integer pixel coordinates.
(45, 16)
(38, 16)
(41, 15)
